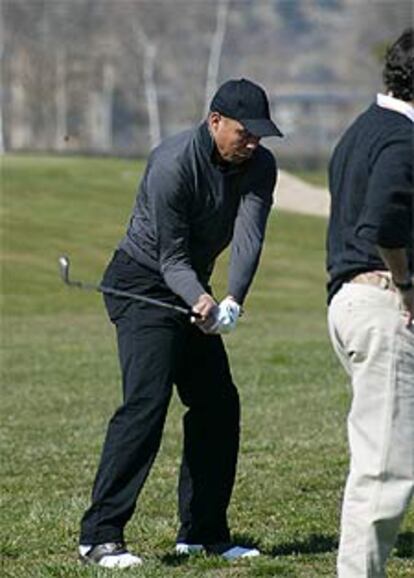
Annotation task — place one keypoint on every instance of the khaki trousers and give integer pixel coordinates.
(367, 330)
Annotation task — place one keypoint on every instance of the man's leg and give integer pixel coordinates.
(211, 440)
(147, 343)
(368, 332)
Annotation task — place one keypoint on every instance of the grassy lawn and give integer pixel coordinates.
(60, 384)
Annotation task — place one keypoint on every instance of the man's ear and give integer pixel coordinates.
(214, 120)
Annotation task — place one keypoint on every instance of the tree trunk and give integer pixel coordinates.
(1, 81)
(151, 94)
(61, 104)
(100, 111)
(107, 104)
(216, 48)
(20, 131)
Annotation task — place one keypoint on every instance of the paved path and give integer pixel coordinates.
(293, 194)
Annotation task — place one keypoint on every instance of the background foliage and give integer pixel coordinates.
(114, 76)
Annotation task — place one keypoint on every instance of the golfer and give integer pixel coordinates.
(371, 311)
(202, 190)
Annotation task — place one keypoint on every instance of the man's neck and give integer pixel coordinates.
(389, 102)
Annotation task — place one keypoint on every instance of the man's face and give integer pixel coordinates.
(234, 143)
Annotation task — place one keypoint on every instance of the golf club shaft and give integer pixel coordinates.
(64, 272)
(143, 298)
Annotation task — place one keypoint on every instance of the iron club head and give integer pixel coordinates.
(64, 268)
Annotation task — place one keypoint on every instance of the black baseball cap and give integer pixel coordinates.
(245, 101)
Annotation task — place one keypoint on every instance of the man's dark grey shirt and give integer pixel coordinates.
(189, 208)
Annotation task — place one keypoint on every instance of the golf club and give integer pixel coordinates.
(64, 265)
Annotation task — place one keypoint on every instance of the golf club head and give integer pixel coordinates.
(64, 268)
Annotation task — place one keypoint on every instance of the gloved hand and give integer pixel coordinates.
(227, 315)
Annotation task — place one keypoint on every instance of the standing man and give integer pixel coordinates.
(371, 311)
(201, 190)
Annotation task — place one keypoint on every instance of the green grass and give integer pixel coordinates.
(60, 385)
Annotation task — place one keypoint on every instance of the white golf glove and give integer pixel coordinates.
(227, 315)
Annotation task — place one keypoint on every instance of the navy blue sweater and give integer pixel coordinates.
(372, 195)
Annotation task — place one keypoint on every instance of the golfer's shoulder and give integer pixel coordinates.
(263, 162)
(398, 140)
(405, 136)
(173, 155)
(264, 157)
(394, 126)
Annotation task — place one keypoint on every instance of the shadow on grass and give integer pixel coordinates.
(313, 544)
(318, 544)
(404, 547)
(174, 560)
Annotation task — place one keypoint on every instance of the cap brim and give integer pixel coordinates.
(261, 127)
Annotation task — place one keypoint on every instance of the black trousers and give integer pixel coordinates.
(159, 348)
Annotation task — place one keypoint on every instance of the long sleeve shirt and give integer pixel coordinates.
(189, 208)
(372, 194)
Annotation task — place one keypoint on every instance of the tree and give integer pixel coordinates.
(215, 51)
(149, 49)
(1, 80)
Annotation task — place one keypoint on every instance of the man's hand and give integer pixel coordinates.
(407, 299)
(216, 319)
(397, 262)
(207, 308)
(228, 313)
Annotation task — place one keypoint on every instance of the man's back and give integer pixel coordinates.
(376, 134)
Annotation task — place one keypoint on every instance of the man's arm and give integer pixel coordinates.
(170, 212)
(393, 236)
(388, 217)
(249, 232)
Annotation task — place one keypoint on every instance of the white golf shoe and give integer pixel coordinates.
(183, 549)
(108, 555)
(227, 551)
(235, 552)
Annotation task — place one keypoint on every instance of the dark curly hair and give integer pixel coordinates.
(398, 71)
